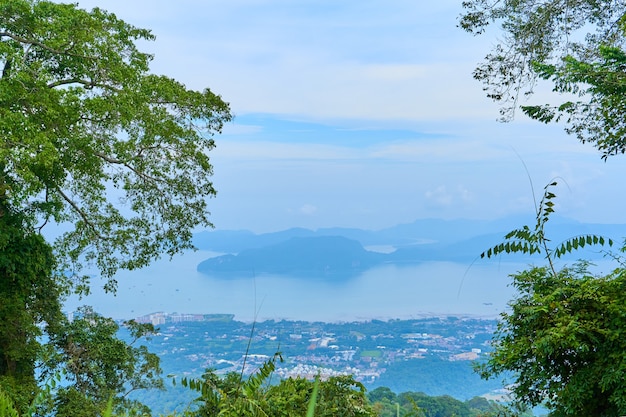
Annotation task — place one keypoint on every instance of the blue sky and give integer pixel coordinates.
(362, 114)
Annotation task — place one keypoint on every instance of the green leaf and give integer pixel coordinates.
(313, 401)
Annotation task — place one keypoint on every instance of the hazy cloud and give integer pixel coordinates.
(308, 209)
(359, 105)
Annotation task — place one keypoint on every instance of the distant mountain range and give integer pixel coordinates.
(333, 252)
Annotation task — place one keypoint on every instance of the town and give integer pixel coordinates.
(428, 354)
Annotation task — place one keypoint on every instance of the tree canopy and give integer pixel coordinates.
(90, 139)
(564, 339)
(99, 367)
(577, 45)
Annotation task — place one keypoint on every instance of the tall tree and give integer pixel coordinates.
(89, 138)
(29, 296)
(577, 45)
(116, 155)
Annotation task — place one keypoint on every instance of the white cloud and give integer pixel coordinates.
(439, 196)
(384, 65)
(321, 59)
(308, 209)
(442, 197)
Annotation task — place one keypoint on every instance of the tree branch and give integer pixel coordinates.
(140, 174)
(44, 46)
(7, 68)
(80, 212)
(88, 84)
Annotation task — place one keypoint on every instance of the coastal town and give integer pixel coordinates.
(376, 352)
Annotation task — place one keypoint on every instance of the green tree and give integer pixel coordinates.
(422, 405)
(561, 337)
(381, 394)
(342, 396)
(118, 156)
(339, 396)
(576, 44)
(564, 337)
(91, 139)
(29, 295)
(99, 367)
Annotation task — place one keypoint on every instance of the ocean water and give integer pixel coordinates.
(411, 291)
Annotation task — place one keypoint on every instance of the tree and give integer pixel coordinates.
(564, 338)
(561, 338)
(29, 296)
(99, 367)
(575, 44)
(382, 394)
(92, 140)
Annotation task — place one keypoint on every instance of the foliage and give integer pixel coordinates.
(91, 140)
(600, 119)
(232, 396)
(576, 44)
(30, 297)
(99, 367)
(529, 241)
(562, 335)
(84, 125)
(336, 396)
(310, 412)
(564, 338)
(6, 406)
(388, 404)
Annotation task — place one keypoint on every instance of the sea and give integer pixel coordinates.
(480, 289)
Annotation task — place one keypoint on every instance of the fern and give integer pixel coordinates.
(531, 241)
(246, 398)
(256, 380)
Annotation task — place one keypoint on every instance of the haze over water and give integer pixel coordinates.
(364, 117)
(430, 288)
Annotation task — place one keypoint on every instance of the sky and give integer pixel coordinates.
(362, 114)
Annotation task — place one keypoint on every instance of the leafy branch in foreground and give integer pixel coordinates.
(6, 406)
(231, 395)
(563, 341)
(92, 140)
(598, 119)
(530, 241)
(574, 46)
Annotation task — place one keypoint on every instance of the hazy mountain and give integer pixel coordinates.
(324, 255)
(420, 231)
(341, 252)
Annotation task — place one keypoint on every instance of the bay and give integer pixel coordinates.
(387, 292)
